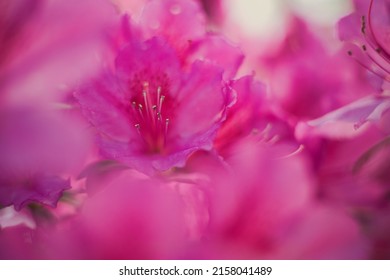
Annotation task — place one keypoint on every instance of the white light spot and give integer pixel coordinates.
(256, 17)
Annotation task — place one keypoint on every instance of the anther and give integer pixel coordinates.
(158, 94)
(166, 127)
(160, 103)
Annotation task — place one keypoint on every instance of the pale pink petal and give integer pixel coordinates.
(38, 188)
(54, 48)
(346, 121)
(217, 50)
(179, 21)
(323, 233)
(133, 219)
(202, 102)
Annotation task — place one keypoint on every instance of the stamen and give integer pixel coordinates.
(148, 102)
(297, 151)
(379, 65)
(149, 116)
(158, 95)
(161, 103)
(166, 127)
(368, 68)
(140, 111)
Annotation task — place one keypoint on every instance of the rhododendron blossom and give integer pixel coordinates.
(151, 113)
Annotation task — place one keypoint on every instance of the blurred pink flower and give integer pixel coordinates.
(266, 207)
(296, 79)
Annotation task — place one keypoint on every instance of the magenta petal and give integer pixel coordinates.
(217, 50)
(203, 103)
(380, 23)
(348, 27)
(134, 219)
(43, 189)
(141, 62)
(53, 46)
(13, 16)
(179, 21)
(368, 29)
(35, 146)
(103, 105)
(345, 121)
(148, 164)
(323, 233)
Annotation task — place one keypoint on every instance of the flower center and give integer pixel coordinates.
(149, 120)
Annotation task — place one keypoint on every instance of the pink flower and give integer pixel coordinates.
(151, 112)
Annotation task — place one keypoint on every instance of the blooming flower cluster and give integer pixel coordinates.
(148, 131)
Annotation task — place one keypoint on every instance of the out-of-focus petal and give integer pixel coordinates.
(217, 50)
(134, 219)
(179, 21)
(346, 121)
